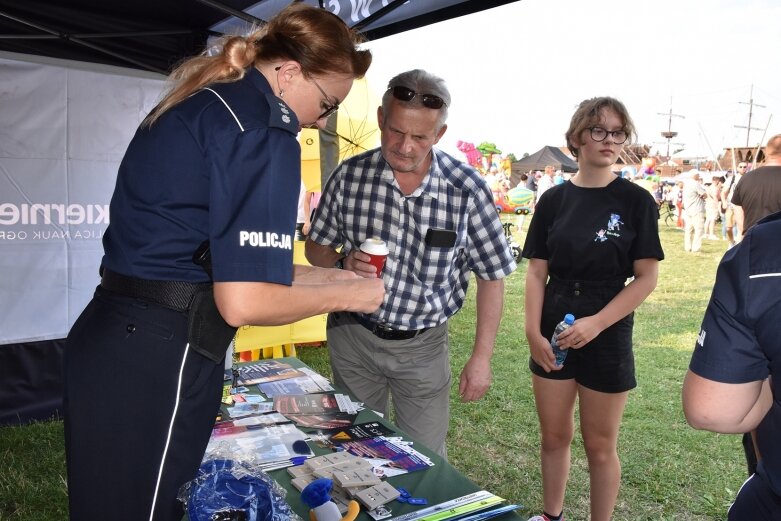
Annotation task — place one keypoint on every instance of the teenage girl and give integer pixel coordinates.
(588, 236)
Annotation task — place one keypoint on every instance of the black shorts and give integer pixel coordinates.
(756, 500)
(606, 364)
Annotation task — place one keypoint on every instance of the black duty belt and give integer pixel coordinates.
(176, 295)
(386, 332)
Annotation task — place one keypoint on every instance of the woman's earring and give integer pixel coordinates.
(281, 93)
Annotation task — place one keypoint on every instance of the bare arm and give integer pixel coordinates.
(476, 375)
(307, 213)
(739, 216)
(726, 408)
(304, 274)
(319, 255)
(585, 329)
(539, 346)
(269, 304)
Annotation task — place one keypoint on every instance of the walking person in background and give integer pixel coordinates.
(712, 207)
(727, 191)
(546, 181)
(678, 196)
(215, 164)
(693, 212)
(587, 237)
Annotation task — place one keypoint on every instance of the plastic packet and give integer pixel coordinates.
(231, 490)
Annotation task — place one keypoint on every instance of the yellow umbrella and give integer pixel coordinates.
(356, 131)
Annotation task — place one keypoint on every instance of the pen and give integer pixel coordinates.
(276, 465)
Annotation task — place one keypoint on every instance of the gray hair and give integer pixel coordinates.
(421, 82)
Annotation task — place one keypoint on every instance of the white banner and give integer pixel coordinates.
(63, 132)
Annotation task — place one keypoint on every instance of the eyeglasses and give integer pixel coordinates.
(599, 134)
(328, 107)
(405, 94)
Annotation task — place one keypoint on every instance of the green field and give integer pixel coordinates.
(670, 471)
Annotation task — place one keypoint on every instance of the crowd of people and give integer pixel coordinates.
(217, 161)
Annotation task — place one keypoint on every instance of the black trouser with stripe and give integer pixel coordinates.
(139, 409)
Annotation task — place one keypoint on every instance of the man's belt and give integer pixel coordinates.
(176, 295)
(386, 332)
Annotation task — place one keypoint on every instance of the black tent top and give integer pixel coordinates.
(155, 35)
(545, 156)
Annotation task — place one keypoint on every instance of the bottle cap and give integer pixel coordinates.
(569, 319)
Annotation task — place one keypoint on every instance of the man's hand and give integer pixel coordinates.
(475, 379)
(358, 262)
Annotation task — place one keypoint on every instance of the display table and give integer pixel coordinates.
(437, 484)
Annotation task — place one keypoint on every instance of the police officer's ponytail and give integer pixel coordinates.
(316, 38)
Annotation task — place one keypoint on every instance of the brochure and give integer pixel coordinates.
(265, 371)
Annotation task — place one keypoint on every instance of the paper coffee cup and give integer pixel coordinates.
(377, 250)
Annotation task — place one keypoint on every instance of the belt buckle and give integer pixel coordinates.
(383, 331)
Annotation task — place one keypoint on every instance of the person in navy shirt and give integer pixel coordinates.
(216, 163)
(733, 384)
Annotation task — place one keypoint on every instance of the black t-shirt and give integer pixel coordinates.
(759, 194)
(594, 233)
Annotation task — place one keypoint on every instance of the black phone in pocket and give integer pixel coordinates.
(440, 238)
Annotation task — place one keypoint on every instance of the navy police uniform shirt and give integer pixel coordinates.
(223, 165)
(740, 339)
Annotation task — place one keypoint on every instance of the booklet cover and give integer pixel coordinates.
(318, 403)
(361, 431)
(323, 421)
(265, 371)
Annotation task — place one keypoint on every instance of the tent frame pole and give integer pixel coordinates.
(79, 41)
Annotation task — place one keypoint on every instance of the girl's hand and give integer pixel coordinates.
(583, 331)
(542, 353)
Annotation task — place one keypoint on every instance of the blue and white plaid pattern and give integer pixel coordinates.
(424, 285)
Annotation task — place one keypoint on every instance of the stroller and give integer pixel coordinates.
(515, 248)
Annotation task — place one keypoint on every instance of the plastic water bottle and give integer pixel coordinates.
(561, 354)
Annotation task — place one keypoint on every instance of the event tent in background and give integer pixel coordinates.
(545, 156)
(64, 128)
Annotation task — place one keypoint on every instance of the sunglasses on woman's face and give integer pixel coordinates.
(429, 100)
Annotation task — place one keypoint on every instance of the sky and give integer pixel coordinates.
(517, 72)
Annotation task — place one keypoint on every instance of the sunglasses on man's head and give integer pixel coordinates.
(405, 94)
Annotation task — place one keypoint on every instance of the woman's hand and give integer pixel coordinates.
(583, 331)
(365, 295)
(542, 353)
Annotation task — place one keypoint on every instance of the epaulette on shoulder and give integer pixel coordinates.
(280, 115)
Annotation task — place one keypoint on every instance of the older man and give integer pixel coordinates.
(437, 217)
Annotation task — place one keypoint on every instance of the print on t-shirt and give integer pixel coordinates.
(613, 226)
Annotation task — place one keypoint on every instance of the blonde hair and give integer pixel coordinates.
(315, 38)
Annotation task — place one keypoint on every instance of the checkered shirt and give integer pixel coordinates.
(424, 285)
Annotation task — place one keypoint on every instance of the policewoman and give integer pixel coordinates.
(200, 242)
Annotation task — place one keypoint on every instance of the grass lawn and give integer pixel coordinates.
(670, 471)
